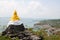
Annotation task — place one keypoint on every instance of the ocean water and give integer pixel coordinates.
(28, 22)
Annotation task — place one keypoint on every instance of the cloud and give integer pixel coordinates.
(30, 9)
(33, 9)
(4, 7)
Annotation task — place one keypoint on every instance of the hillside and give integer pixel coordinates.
(52, 22)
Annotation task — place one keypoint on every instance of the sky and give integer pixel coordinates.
(46, 9)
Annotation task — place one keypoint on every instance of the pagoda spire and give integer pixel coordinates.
(14, 16)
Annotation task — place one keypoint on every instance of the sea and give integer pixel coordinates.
(28, 22)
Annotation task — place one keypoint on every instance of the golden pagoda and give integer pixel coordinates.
(14, 17)
(14, 26)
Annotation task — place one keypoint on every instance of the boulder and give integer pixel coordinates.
(19, 31)
(12, 29)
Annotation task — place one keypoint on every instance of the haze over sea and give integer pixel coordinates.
(28, 22)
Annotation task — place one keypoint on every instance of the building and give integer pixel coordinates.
(14, 25)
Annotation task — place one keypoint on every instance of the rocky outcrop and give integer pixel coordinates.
(20, 32)
(12, 29)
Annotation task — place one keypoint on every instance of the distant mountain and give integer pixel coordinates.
(52, 22)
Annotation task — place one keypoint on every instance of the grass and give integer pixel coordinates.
(7, 38)
(53, 37)
(45, 36)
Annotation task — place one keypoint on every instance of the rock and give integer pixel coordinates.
(19, 31)
(12, 29)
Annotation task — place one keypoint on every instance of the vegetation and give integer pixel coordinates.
(39, 33)
(53, 37)
(53, 22)
(7, 38)
(44, 35)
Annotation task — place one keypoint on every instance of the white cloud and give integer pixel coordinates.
(29, 9)
(32, 9)
(35, 9)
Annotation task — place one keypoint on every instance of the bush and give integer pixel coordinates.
(7, 38)
(53, 37)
